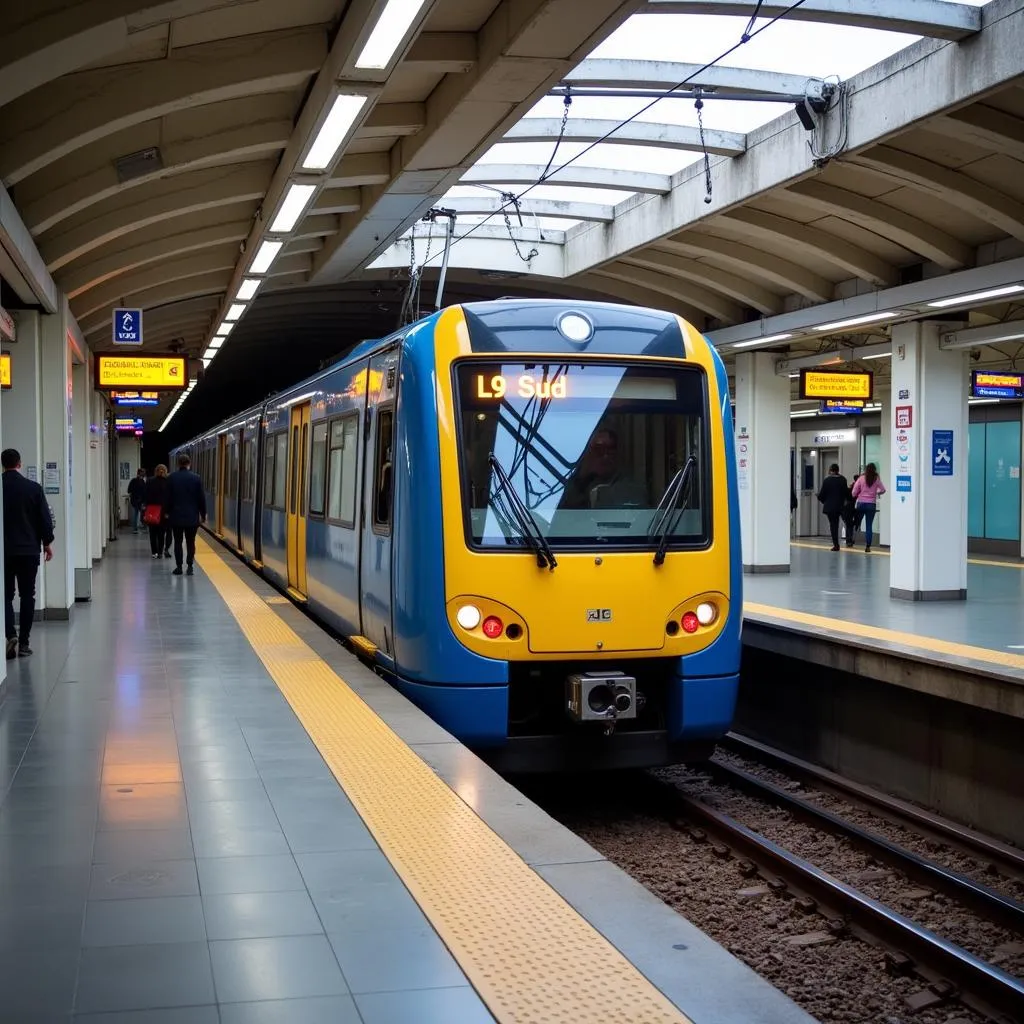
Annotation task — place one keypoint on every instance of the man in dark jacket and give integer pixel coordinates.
(28, 526)
(186, 509)
(136, 493)
(833, 496)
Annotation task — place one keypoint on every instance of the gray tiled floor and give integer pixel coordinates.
(173, 849)
(853, 586)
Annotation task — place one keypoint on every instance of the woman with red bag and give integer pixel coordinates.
(155, 516)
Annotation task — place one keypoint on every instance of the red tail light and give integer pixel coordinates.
(493, 626)
(690, 623)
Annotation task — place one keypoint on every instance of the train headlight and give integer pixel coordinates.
(468, 616)
(575, 327)
(706, 613)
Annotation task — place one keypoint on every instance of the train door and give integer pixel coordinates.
(377, 500)
(241, 469)
(298, 460)
(222, 479)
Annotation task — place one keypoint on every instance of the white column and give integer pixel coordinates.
(99, 478)
(55, 469)
(927, 496)
(883, 524)
(81, 486)
(762, 453)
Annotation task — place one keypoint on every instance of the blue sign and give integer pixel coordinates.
(903, 484)
(831, 405)
(137, 401)
(127, 326)
(942, 453)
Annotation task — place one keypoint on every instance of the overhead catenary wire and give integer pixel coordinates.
(744, 38)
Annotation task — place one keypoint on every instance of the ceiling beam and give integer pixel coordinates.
(636, 133)
(446, 53)
(974, 197)
(574, 175)
(388, 120)
(86, 274)
(565, 209)
(152, 203)
(983, 126)
(794, 277)
(335, 201)
(85, 187)
(710, 302)
(937, 18)
(825, 245)
(739, 289)
(78, 109)
(902, 228)
(357, 169)
(624, 73)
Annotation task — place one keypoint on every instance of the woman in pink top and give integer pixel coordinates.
(866, 490)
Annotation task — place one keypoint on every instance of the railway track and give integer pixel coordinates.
(951, 973)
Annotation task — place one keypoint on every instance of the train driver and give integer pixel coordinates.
(598, 482)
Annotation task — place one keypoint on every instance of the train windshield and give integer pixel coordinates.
(595, 454)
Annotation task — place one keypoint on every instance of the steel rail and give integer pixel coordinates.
(980, 984)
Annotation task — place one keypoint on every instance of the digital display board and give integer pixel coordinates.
(115, 371)
(136, 398)
(824, 384)
(988, 384)
(834, 405)
(128, 424)
(5, 370)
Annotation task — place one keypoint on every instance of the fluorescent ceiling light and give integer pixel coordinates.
(206, 363)
(295, 202)
(209, 354)
(877, 355)
(235, 312)
(991, 293)
(392, 25)
(247, 289)
(333, 132)
(854, 321)
(809, 412)
(216, 343)
(982, 401)
(762, 341)
(265, 255)
(225, 329)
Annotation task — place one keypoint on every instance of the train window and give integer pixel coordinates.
(280, 468)
(342, 465)
(599, 454)
(268, 471)
(243, 470)
(293, 484)
(251, 471)
(318, 469)
(303, 461)
(384, 477)
(232, 481)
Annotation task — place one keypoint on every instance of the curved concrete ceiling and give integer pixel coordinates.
(148, 148)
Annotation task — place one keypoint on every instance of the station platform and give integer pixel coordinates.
(211, 812)
(834, 609)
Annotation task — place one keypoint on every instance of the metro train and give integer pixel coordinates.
(523, 513)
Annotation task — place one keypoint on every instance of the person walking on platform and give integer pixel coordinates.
(186, 509)
(136, 492)
(833, 496)
(28, 526)
(156, 513)
(865, 493)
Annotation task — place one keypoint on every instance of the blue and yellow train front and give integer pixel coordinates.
(584, 556)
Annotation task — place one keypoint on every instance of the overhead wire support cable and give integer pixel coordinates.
(745, 38)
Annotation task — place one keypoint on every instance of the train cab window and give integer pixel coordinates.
(280, 468)
(597, 454)
(343, 462)
(318, 469)
(384, 478)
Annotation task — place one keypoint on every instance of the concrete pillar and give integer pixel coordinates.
(928, 495)
(762, 453)
(883, 521)
(81, 483)
(55, 470)
(99, 475)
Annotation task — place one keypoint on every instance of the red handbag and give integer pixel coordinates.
(153, 515)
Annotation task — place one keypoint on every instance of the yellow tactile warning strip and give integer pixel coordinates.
(528, 953)
(1005, 564)
(928, 644)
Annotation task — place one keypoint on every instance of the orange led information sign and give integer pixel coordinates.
(135, 394)
(5, 369)
(496, 385)
(163, 373)
(836, 386)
